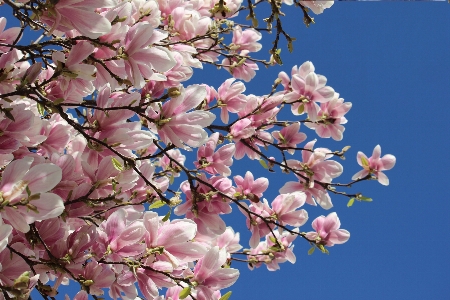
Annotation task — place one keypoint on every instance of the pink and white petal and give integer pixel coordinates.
(177, 233)
(324, 200)
(295, 218)
(360, 174)
(376, 152)
(79, 52)
(115, 224)
(388, 161)
(88, 23)
(43, 177)
(359, 156)
(382, 178)
(14, 172)
(16, 219)
(48, 205)
(291, 187)
(290, 256)
(339, 236)
(131, 235)
(311, 82)
(331, 222)
(221, 278)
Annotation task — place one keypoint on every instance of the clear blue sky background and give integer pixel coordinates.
(391, 60)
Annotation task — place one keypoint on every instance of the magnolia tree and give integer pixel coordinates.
(96, 122)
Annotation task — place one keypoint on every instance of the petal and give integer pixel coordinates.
(376, 152)
(388, 161)
(339, 236)
(15, 172)
(382, 178)
(43, 177)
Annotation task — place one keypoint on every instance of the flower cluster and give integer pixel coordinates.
(96, 124)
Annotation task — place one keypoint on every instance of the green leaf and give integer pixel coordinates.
(311, 251)
(40, 109)
(157, 204)
(367, 199)
(364, 161)
(184, 292)
(301, 109)
(117, 165)
(171, 179)
(350, 202)
(167, 216)
(272, 239)
(263, 163)
(226, 296)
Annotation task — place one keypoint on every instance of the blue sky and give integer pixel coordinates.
(391, 60)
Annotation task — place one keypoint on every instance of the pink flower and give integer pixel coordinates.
(215, 162)
(142, 59)
(330, 118)
(230, 98)
(283, 253)
(315, 167)
(228, 241)
(23, 131)
(241, 68)
(327, 231)
(24, 193)
(289, 137)
(178, 126)
(249, 187)
(307, 89)
(209, 276)
(77, 77)
(66, 15)
(246, 40)
(97, 276)
(174, 239)
(118, 236)
(285, 206)
(374, 165)
(242, 129)
(255, 221)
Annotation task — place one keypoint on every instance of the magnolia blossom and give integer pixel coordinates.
(230, 98)
(330, 118)
(327, 231)
(289, 137)
(215, 162)
(314, 167)
(24, 192)
(246, 40)
(178, 126)
(285, 206)
(210, 277)
(308, 88)
(141, 59)
(375, 165)
(66, 15)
